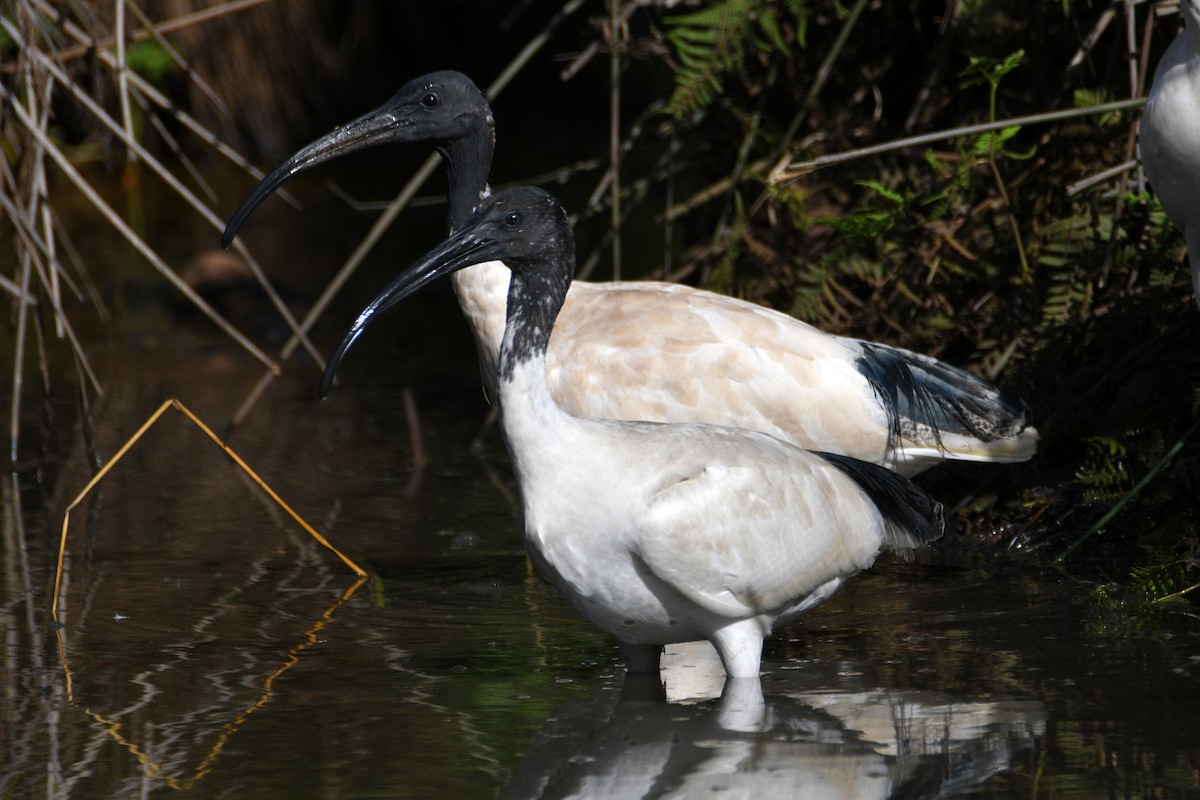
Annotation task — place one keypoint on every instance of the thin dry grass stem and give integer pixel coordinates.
(395, 207)
(415, 440)
(14, 423)
(173, 144)
(365, 246)
(798, 169)
(169, 178)
(616, 38)
(91, 47)
(128, 233)
(716, 189)
(25, 258)
(153, 95)
(112, 462)
(527, 52)
(123, 77)
(14, 289)
(1101, 177)
(89, 286)
(39, 205)
(180, 62)
(117, 729)
(822, 76)
(1131, 47)
(1089, 41)
(32, 246)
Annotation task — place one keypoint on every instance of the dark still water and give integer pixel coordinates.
(210, 647)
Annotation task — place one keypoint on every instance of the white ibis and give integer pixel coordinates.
(1169, 134)
(660, 533)
(671, 353)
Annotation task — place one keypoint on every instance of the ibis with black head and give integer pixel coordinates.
(659, 532)
(664, 352)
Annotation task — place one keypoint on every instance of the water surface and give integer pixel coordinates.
(211, 648)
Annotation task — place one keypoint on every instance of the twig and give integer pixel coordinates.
(180, 62)
(122, 77)
(188, 196)
(181, 408)
(14, 427)
(1174, 595)
(799, 169)
(588, 53)
(28, 235)
(822, 76)
(7, 285)
(614, 132)
(416, 441)
(128, 233)
(162, 101)
(1100, 177)
(80, 268)
(170, 26)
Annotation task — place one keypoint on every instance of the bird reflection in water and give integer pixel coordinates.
(842, 741)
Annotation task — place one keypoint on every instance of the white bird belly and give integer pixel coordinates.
(662, 534)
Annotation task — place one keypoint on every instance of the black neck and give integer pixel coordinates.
(468, 164)
(534, 299)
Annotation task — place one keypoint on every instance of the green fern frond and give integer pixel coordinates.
(711, 43)
(1157, 581)
(1062, 249)
(867, 223)
(1102, 473)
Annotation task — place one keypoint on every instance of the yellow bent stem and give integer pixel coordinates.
(99, 476)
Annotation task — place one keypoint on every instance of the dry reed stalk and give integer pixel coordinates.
(182, 22)
(138, 152)
(153, 95)
(150, 421)
(128, 233)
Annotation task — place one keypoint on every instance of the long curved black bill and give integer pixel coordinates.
(375, 127)
(472, 244)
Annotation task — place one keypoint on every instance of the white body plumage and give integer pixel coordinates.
(665, 352)
(1169, 134)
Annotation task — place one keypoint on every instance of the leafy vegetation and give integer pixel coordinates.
(975, 248)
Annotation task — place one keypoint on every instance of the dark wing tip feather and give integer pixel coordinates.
(914, 518)
(923, 391)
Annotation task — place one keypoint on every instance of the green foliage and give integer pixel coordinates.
(1159, 581)
(988, 71)
(867, 223)
(826, 289)
(1095, 97)
(1076, 302)
(714, 42)
(1152, 593)
(150, 59)
(1062, 251)
(1103, 471)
